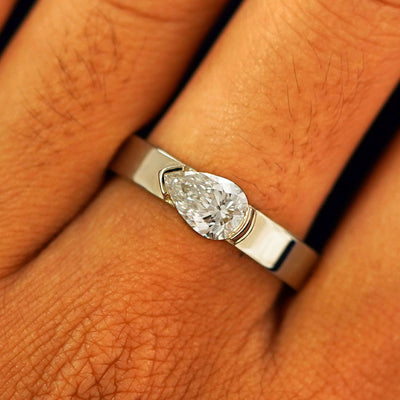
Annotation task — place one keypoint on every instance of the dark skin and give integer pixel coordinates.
(106, 293)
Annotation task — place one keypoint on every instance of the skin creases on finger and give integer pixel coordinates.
(349, 312)
(77, 79)
(128, 303)
(180, 310)
(283, 99)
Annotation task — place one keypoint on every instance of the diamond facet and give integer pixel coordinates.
(213, 206)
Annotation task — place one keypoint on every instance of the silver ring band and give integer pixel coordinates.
(259, 237)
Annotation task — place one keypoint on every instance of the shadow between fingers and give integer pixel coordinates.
(17, 16)
(376, 140)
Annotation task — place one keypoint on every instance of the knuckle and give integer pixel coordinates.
(124, 345)
(106, 355)
(70, 86)
(88, 64)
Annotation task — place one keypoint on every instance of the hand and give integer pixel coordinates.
(106, 293)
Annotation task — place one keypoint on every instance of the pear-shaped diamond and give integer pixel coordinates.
(213, 206)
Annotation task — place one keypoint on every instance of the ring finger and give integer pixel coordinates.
(243, 117)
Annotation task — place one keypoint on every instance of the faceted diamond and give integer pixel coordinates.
(213, 206)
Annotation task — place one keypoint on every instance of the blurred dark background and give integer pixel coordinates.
(374, 143)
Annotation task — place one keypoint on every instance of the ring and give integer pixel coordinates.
(216, 208)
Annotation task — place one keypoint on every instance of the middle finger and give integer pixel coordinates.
(104, 69)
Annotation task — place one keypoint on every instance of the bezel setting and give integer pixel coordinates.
(216, 204)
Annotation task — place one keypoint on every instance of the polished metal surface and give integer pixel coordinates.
(261, 239)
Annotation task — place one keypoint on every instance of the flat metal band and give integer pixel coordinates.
(266, 242)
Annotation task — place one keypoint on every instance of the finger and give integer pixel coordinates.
(104, 69)
(130, 255)
(349, 311)
(5, 8)
(242, 117)
(284, 98)
(287, 166)
(122, 303)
